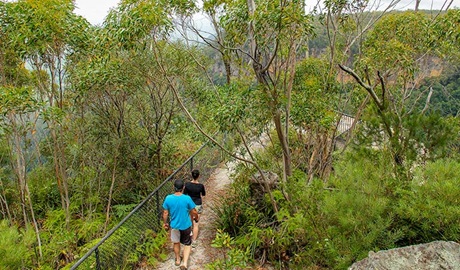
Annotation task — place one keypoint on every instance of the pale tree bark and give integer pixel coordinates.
(112, 185)
(19, 168)
(5, 206)
(51, 91)
(264, 78)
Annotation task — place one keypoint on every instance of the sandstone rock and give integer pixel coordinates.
(434, 255)
(258, 182)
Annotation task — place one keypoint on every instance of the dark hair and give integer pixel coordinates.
(178, 185)
(195, 174)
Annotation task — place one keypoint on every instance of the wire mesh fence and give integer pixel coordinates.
(113, 251)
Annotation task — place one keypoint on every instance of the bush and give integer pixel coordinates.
(15, 247)
(430, 209)
(332, 225)
(362, 208)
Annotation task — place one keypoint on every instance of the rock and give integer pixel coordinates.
(257, 182)
(434, 255)
(258, 187)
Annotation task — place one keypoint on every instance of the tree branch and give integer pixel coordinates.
(368, 88)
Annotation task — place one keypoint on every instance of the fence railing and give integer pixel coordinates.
(114, 249)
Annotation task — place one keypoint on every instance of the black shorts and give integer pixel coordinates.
(182, 236)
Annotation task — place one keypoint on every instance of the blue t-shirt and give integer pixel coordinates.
(179, 207)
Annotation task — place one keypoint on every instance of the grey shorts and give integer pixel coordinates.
(182, 236)
(199, 208)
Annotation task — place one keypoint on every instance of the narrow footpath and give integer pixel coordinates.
(203, 253)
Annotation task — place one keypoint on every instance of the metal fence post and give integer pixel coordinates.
(158, 210)
(98, 264)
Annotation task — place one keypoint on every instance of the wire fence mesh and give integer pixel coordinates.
(114, 250)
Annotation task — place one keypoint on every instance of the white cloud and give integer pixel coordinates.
(94, 11)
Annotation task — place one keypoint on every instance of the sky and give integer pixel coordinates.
(96, 10)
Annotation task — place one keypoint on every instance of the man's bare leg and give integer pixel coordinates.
(177, 252)
(186, 255)
(195, 231)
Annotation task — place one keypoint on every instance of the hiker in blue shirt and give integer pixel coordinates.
(180, 208)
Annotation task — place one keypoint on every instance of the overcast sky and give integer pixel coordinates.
(96, 10)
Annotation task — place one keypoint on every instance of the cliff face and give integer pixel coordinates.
(434, 255)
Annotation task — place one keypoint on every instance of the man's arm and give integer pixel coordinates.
(165, 219)
(194, 215)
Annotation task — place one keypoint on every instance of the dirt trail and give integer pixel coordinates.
(216, 185)
(203, 253)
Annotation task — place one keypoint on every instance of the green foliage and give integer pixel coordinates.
(239, 105)
(362, 208)
(232, 257)
(44, 191)
(416, 137)
(121, 210)
(59, 242)
(447, 35)
(313, 94)
(151, 247)
(133, 21)
(16, 248)
(230, 209)
(17, 100)
(445, 98)
(429, 209)
(395, 43)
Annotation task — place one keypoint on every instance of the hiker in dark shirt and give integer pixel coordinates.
(196, 191)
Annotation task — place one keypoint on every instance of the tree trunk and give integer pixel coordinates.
(59, 170)
(18, 163)
(112, 185)
(284, 145)
(34, 221)
(20, 171)
(5, 206)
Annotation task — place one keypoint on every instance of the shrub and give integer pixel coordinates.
(429, 210)
(15, 247)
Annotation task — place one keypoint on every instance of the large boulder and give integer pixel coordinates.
(260, 185)
(259, 182)
(434, 255)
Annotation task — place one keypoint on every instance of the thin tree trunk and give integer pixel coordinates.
(417, 4)
(5, 203)
(112, 184)
(63, 173)
(17, 161)
(57, 167)
(34, 221)
(20, 169)
(284, 145)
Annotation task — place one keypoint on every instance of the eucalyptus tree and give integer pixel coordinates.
(259, 42)
(399, 52)
(18, 105)
(45, 33)
(127, 107)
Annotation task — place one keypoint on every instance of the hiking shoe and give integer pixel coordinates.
(195, 244)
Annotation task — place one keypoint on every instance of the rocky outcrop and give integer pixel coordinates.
(434, 255)
(269, 179)
(260, 185)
